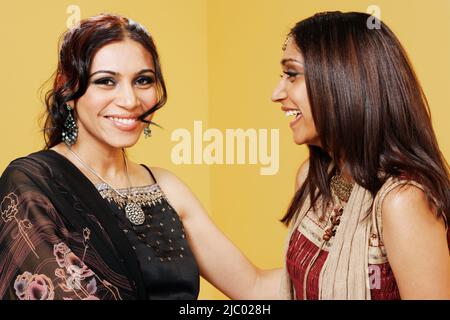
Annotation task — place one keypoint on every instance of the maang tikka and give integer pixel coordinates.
(70, 129)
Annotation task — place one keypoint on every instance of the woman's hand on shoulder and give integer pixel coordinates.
(416, 244)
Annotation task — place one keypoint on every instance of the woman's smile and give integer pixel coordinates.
(124, 123)
(296, 113)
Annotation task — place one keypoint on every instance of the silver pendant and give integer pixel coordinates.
(134, 213)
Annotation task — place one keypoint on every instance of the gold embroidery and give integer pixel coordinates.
(146, 195)
(8, 208)
(86, 238)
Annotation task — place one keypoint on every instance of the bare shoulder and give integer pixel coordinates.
(416, 244)
(302, 173)
(176, 191)
(408, 204)
(141, 176)
(166, 177)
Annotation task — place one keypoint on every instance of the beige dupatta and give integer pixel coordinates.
(345, 272)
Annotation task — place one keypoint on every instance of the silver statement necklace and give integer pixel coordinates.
(133, 211)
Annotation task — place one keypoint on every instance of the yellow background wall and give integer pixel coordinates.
(220, 59)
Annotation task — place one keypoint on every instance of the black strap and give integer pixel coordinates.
(149, 171)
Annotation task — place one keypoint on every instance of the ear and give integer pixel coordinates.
(61, 80)
(71, 103)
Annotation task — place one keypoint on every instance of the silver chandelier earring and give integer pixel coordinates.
(70, 129)
(147, 132)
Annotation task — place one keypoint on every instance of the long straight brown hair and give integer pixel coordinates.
(368, 108)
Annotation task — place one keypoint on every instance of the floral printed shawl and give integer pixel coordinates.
(58, 238)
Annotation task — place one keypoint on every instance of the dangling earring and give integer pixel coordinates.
(147, 132)
(70, 130)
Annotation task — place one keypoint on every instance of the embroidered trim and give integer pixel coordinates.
(312, 228)
(145, 195)
(313, 232)
(377, 255)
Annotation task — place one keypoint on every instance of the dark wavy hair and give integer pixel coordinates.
(77, 49)
(369, 110)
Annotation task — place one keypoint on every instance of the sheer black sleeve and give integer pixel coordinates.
(40, 258)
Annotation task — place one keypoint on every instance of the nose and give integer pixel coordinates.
(127, 97)
(279, 93)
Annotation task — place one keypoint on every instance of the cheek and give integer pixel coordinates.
(149, 97)
(94, 100)
(298, 94)
(303, 101)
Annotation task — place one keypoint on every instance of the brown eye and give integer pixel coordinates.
(292, 75)
(144, 81)
(105, 82)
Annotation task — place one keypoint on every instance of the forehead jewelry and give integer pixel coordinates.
(286, 43)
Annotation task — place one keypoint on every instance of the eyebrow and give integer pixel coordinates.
(117, 73)
(284, 61)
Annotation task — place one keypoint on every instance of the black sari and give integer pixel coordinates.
(58, 239)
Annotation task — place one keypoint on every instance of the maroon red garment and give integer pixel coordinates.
(300, 252)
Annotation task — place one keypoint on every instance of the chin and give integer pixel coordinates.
(309, 139)
(299, 140)
(122, 142)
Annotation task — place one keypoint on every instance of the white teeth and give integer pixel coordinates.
(292, 113)
(123, 120)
